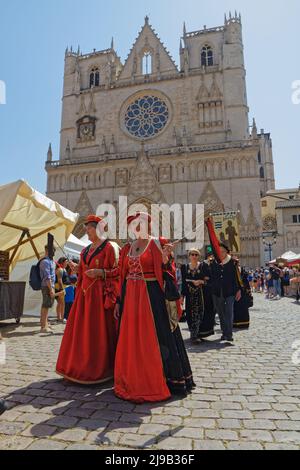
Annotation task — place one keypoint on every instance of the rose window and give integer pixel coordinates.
(146, 117)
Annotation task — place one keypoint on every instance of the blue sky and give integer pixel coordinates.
(35, 33)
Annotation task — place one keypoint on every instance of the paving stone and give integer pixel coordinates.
(154, 429)
(15, 443)
(175, 443)
(63, 421)
(34, 418)
(193, 433)
(72, 435)
(247, 396)
(167, 419)
(209, 445)
(221, 434)
(259, 424)
(287, 436)
(105, 438)
(228, 423)
(10, 429)
(39, 430)
(256, 435)
(200, 423)
(288, 425)
(47, 444)
(236, 414)
(244, 446)
(93, 424)
(278, 446)
(138, 441)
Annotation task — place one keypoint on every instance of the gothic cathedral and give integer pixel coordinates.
(156, 133)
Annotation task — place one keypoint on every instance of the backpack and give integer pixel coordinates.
(35, 280)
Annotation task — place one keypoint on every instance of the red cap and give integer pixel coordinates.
(92, 218)
(137, 215)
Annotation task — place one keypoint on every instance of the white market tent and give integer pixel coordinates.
(32, 303)
(289, 257)
(26, 217)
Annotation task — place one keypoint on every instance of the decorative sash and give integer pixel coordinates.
(95, 253)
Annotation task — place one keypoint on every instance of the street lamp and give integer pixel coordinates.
(269, 243)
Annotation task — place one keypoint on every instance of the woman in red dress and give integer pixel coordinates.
(151, 361)
(88, 346)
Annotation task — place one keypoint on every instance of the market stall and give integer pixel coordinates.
(32, 302)
(26, 218)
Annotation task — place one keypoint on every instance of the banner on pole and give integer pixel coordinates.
(227, 230)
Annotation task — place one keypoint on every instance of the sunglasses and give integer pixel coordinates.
(194, 254)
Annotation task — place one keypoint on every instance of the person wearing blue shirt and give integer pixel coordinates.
(47, 273)
(69, 296)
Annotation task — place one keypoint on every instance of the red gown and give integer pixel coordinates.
(88, 346)
(150, 359)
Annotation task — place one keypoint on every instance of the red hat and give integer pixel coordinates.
(138, 215)
(92, 219)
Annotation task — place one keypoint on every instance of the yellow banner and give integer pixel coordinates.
(227, 230)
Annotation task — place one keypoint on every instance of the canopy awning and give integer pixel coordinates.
(288, 258)
(26, 217)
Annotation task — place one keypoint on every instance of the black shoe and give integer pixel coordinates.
(222, 338)
(230, 340)
(3, 406)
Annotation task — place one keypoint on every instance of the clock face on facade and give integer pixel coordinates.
(146, 116)
(86, 127)
(269, 223)
(86, 130)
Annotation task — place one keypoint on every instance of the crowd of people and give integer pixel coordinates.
(130, 303)
(122, 309)
(276, 281)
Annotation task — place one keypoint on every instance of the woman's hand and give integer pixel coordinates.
(198, 283)
(95, 273)
(117, 312)
(238, 295)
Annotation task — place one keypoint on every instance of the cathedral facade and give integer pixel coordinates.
(158, 133)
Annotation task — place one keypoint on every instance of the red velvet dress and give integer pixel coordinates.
(88, 346)
(149, 362)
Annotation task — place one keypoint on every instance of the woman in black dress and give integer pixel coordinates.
(208, 322)
(192, 282)
(241, 309)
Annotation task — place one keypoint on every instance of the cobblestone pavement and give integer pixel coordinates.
(247, 396)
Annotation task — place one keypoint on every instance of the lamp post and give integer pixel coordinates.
(269, 243)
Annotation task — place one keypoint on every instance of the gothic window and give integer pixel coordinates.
(147, 63)
(94, 77)
(207, 56)
(261, 172)
(259, 157)
(146, 117)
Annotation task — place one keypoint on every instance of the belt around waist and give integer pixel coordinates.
(147, 279)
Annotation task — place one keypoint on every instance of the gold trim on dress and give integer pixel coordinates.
(84, 382)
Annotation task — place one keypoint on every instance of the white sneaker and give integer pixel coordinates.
(65, 321)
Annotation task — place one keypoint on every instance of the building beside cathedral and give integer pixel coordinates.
(159, 133)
